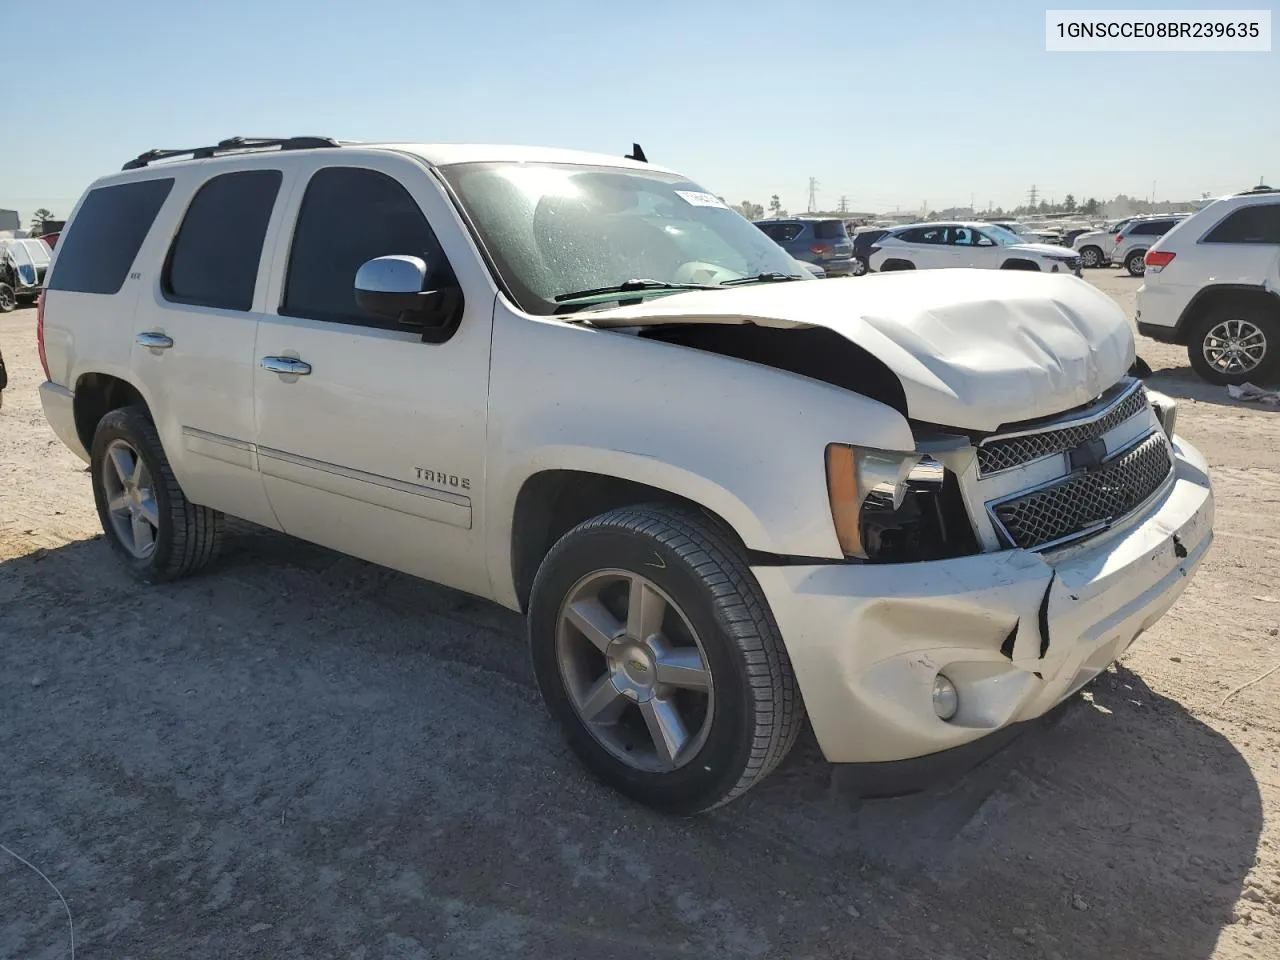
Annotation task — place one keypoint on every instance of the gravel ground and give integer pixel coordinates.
(298, 755)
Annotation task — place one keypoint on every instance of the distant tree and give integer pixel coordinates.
(752, 211)
(37, 220)
(1091, 207)
(1069, 204)
(775, 206)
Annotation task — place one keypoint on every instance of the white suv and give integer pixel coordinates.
(1137, 237)
(924, 246)
(1213, 285)
(923, 509)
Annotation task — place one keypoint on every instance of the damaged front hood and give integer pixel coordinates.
(974, 349)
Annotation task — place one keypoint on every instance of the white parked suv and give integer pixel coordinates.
(923, 510)
(1212, 284)
(1135, 238)
(1096, 247)
(923, 246)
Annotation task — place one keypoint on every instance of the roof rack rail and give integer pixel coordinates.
(1260, 188)
(232, 145)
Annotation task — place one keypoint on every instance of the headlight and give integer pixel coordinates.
(895, 507)
(1166, 410)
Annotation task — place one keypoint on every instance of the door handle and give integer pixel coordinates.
(286, 365)
(156, 341)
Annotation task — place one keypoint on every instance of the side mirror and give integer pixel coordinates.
(986, 242)
(393, 287)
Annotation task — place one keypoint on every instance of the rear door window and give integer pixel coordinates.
(1257, 224)
(214, 258)
(95, 255)
(831, 230)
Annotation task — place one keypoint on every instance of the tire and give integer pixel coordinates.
(184, 537)
(8, 299)
(890, 265)
(1136, 263)
(1249, 322)
(751, 711)
(1091, 257)
(859, 267)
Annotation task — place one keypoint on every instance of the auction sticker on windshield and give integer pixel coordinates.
(700, 199)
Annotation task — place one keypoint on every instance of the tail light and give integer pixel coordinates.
(44, 360)
(1159, 258)
(872, 249)
(821, 249)
(1119, 237)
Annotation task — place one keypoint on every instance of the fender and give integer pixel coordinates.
(741, 439)
(1194, 305)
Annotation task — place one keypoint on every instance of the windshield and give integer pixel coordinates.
(1001, 235)
(553, 230)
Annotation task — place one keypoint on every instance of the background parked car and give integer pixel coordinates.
(1097, 246)
(924, 246)
(1211, 285)
(863, 240)
(1137, 237)
(822, 241)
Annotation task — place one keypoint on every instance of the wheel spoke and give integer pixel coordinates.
(150, 511)
(594, 622)
(118, 504)
(141, 478)
(645, 610)
(603, 703)
(683, 668)
(144, 535)
(122, 463)
(666, 728)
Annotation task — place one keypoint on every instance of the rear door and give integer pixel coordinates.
(371, 434)
(195, 326)
(1243, 248)
(927, 247)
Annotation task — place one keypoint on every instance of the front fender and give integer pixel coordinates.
(741, 439)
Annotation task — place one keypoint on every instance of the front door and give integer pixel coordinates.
(370, 439)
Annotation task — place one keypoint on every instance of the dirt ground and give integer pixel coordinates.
(298, 755)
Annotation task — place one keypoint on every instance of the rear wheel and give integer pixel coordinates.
(1091, 257)
(1136, 263)
(8, 299)
(1235, 343)
(655, 651)
(149, 522)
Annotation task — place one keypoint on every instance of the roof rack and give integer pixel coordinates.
(232, 145)
(1260, 188)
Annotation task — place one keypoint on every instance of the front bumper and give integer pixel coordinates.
(1016, 632)
(59, 410)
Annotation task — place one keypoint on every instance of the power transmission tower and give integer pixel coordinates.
(1033, 194)
(844, 204)
(813, 194)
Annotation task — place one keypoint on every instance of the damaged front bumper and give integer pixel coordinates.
(1016, 632)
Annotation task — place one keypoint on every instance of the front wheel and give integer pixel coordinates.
(1091, 257)
(658, 656)
(1136, 263)
(1233, 344)
(151, 525)
(8, 299)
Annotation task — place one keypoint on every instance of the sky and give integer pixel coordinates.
(890, 105)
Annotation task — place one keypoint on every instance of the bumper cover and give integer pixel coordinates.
(1158, 333)
(1016, 632)
(59, 410)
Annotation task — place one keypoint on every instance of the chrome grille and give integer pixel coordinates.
(997, 454)
(1083, 502)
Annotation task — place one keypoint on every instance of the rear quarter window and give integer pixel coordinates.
(831, 230)
(1256, 224)
(95, 254)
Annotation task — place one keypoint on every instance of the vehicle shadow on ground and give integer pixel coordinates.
(298, 754)
(1182, 383)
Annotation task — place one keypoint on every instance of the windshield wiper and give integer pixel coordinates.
(632, 286)
(772, 277)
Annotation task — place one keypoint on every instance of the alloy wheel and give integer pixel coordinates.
(131, 500)
(635, 670)
(1234, 346)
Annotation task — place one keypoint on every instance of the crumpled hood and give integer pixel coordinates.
(974, 349)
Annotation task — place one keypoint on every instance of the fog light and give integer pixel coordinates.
(945, 699)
